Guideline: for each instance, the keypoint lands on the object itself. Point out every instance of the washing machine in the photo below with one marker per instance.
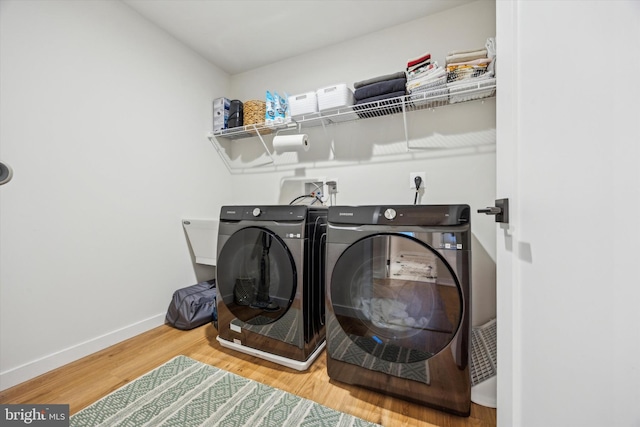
(398, 301)
(270, 279)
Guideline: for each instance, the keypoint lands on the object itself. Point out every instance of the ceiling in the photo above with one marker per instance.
(241, 35)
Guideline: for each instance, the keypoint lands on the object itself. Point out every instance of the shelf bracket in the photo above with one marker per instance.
(218, 147)
(266, 149)
(332, 143)
(406, 128)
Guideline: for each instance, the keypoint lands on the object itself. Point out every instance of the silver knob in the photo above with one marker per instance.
(390, 213)
(256, 212)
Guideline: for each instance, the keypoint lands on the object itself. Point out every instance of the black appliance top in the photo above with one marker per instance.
(268, 212)
(400, 215)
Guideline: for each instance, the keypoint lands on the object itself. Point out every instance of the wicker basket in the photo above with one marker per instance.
(254, 112)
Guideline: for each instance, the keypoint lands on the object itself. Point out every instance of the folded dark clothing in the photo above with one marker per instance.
(382, 97)
(380, 88)
(393, 76)
(386, 104)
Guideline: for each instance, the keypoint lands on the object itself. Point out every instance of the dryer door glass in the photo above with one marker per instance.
(396, 297)
(259, 278)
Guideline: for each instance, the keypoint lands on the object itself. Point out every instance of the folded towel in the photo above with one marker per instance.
(462, 72)
(458, 52)
(440, 81)
(490, 45)
(438, 74)
(468, 56)
(491, 53)
(419, 65)
(419, 72)
(382, 97)
(380, 88)
(418, 60)
(481, 61)
(397, 75)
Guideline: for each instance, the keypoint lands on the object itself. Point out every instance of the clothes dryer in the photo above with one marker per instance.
(270, 279)
(398, 301)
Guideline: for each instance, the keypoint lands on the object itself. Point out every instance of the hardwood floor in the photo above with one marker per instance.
(84, 381)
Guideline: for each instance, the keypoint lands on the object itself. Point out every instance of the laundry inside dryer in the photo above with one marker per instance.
(398, 301)
(386, 290)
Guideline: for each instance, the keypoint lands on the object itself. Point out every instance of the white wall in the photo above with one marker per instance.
(568, 319)
(371, 163)
(104, 121)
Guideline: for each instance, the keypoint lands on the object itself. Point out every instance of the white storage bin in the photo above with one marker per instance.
(303, 104)
(334, 97)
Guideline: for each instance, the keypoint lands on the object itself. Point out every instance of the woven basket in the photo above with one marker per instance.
(254, 112)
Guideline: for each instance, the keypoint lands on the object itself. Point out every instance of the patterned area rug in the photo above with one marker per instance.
(184, 393)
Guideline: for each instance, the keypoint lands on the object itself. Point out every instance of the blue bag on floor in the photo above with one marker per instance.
(193, 306)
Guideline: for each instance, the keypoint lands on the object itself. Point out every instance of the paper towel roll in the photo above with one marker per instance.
(284, 143)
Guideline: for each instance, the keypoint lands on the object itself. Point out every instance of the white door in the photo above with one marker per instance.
(568, 158)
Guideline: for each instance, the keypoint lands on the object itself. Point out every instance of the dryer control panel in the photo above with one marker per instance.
(418, 215)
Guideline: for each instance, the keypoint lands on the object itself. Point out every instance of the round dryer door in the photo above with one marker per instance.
(259, 279)
(396, 297)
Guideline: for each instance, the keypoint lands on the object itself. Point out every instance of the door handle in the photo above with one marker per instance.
(492, 210)
(6, 173)
(500, 210)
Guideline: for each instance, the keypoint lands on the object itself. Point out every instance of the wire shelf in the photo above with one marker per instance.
(453, 93)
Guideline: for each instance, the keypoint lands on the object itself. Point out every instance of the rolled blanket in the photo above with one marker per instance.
(380, 88)
(392, 76)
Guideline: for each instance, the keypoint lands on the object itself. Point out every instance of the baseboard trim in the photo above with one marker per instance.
(30, 370)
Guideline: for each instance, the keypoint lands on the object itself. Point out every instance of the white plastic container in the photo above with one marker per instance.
(335, 96)
(303, 104)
